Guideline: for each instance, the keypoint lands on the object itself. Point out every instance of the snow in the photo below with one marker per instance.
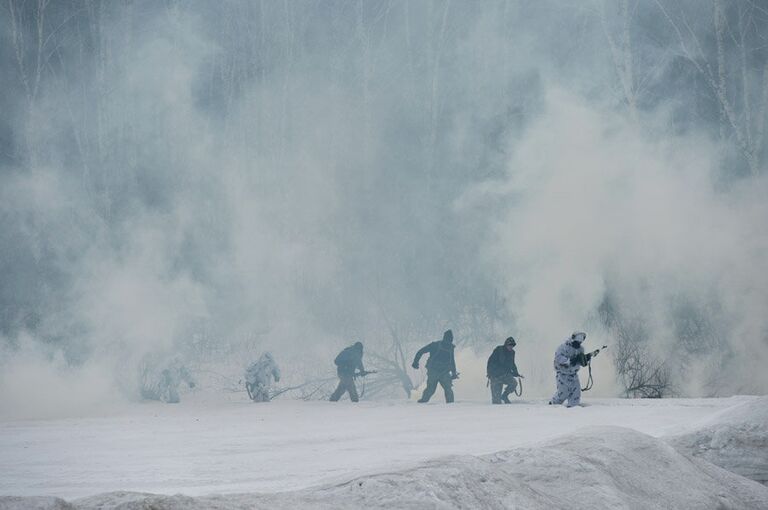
(735, 439)
(610, 453)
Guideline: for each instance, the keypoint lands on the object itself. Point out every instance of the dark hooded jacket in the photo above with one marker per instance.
(441, 357)
(350, 359)
(501, 363)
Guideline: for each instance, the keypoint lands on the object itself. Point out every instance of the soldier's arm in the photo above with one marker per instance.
(579, 359)
(514, 365)
(491, 360)
(562, 360)
(187, 377)
(420, 353)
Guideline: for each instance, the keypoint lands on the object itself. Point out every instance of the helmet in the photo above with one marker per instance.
(358, 346)
(510, 341)
(448, 336)
(577, 337)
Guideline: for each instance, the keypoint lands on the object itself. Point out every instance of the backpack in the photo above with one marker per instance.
(344, 358)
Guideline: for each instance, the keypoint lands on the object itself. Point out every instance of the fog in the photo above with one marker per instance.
(210, 180)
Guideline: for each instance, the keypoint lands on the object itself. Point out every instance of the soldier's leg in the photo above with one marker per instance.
(430, 389)
(173, 395)
(574, 394)
(561, 391)
(352, 389)
(261, 394)
(447, 383)
(496, 387)
(511, 384)
(340, 389)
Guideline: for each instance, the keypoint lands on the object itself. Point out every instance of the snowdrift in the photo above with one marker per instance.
(735, 439)
(34, 503)
(607, 467)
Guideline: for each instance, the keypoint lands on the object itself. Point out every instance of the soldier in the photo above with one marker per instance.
(569, 358)
(259, 376)
(162, 383)
(348, 360)
(501, 370)
(441, 367)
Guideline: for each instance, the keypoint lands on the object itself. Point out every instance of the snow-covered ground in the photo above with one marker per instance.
(207, 446)
(735, 439)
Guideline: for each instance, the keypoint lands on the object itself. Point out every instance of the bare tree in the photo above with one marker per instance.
(640, 373)
(742, 101)
(620, 45)
(29, 66)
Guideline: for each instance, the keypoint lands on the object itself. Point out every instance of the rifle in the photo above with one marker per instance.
(590, 381)
(584, 359)
(595, 352)
(365, 372)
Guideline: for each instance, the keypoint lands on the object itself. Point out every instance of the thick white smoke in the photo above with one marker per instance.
(592, 202)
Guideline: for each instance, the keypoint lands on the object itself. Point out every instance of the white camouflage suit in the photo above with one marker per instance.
(160, 378)
(567, 375)
(258, 377)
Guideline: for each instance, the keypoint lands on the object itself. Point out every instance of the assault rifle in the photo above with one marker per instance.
(589, 356)
(585, 359)
(595, 352)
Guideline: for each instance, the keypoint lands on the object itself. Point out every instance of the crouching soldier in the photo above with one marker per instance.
(348, 360)
(259, 376)
(441, 367)
(502, 371)
(161, 382)
(569, 358)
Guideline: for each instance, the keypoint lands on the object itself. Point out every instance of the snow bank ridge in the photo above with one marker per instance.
(736, 439)
(607, 467)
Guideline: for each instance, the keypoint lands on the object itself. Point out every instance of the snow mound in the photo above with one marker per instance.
(607, 467)
(735, 439)
(34, 503)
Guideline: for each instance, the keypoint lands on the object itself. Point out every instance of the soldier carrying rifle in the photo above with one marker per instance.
(569, 358)
(441, 367)
(349, 360)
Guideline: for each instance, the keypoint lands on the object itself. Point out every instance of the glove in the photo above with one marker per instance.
(579, 359)
(415, 365)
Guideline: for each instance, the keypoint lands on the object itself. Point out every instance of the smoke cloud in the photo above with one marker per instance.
(212, 181)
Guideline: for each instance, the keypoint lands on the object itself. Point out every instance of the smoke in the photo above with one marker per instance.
(593, 205)
(36, 382)
(215, 181)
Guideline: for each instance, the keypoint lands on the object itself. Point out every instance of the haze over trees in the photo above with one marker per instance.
(218, 178)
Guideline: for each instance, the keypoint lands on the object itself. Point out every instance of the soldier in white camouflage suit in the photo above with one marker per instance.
(160, 381)
(569, 358)
(259, 376)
